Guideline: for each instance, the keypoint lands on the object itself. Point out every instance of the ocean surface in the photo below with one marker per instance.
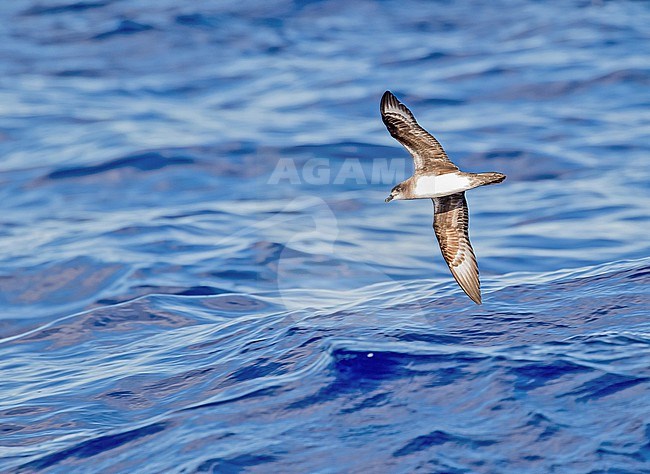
(198, 272)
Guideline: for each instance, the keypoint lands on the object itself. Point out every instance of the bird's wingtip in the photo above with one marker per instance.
(386, 97)
(475, 297)
(390, 102)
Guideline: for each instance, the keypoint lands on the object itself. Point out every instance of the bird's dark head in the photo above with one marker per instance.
(396, 193)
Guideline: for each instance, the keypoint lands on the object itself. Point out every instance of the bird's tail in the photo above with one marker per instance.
(483, 179)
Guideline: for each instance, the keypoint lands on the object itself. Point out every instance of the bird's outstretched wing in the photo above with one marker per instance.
(451, 222)
(427, 153)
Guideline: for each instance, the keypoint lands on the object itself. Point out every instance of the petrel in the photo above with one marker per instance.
(438, 179)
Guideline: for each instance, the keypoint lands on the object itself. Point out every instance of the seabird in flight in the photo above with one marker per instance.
(438, 179)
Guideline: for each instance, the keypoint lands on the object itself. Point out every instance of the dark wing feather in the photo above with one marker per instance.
(451, 222)
(427, 153)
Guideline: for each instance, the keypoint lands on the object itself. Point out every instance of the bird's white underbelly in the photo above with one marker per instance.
(441, 185)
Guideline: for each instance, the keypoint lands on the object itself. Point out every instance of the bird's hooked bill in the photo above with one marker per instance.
(389, 198)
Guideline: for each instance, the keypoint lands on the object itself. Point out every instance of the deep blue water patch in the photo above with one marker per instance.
(143, 162)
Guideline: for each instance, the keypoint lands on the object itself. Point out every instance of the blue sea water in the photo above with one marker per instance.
(173, 300)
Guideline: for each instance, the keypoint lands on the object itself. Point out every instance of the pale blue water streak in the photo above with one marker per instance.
(166, 309)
